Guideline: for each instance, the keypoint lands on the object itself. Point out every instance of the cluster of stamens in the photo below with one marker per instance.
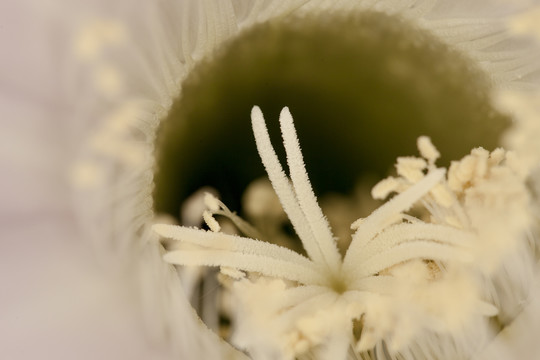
(401, 276)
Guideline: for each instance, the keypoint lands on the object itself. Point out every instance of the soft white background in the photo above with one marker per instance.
(55, 302)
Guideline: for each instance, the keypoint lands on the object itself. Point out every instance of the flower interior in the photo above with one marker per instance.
(414, 278)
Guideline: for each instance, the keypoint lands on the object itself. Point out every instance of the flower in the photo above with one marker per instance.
(116, 174)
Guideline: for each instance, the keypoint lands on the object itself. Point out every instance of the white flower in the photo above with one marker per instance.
(116, 172)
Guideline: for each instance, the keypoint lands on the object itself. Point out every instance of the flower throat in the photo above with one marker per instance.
(362, 87)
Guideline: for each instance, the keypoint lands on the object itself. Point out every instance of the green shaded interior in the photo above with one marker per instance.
(361, 89)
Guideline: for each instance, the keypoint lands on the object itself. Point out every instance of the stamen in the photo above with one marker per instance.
(212, 202)
(216, 207)
(384, 188)
(232, 273)
(427, 149)
(411, 168)
(211, 222)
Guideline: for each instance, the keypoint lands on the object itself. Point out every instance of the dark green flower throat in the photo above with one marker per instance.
(361, 89)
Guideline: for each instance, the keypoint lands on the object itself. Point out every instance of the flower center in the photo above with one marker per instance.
(362, 87)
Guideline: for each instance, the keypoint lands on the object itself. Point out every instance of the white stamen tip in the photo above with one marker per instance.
(211, 202)
(211, 222)
(163, 230)
(355, 225)
(232, 272)
(384, 188)
(256, 114)
(427, 149)
(411, 168)
(496, 156)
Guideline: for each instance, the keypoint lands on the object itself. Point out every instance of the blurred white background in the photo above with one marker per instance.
(55, 301)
